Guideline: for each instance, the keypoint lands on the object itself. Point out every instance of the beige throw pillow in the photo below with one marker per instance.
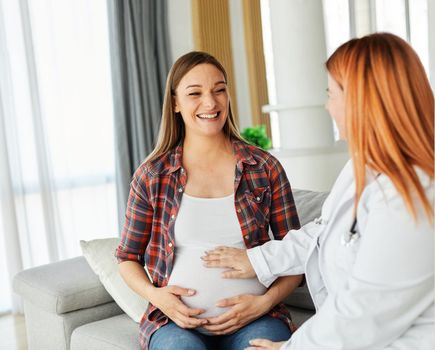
(100, 255)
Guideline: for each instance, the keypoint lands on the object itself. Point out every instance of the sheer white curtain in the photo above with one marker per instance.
(56, 133)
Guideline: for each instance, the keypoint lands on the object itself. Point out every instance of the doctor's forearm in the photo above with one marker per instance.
(282, 287)
(283, 258)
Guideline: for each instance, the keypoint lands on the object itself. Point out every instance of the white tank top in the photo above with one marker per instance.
(202, 224)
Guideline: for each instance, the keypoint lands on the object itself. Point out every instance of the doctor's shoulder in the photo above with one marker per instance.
(382, 194)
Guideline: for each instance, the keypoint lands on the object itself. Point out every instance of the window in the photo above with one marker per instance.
(73, 60)
(345, 19)
(57, 102)
(270, 70)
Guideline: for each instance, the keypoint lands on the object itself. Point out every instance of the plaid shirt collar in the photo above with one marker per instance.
(176, 155)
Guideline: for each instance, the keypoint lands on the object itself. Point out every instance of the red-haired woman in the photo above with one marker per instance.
(368, 259)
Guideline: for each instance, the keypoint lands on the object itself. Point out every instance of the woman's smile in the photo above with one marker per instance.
(208, 116)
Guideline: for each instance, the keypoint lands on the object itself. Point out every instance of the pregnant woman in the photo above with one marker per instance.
(200, 188)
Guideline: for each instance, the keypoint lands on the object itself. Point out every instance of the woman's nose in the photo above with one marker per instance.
(209, 101)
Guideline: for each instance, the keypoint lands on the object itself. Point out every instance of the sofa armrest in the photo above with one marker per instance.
(61, 287)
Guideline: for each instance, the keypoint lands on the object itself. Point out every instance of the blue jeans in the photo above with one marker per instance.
(172, 337)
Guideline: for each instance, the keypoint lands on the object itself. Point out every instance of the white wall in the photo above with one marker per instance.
(180, 27)
(303, 80)
(308, 153)
(320, 169)
(240, 64)
(181, 39)
(299, 53)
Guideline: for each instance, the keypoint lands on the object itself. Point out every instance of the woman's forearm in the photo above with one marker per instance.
(136, 278)
(282, 287)
(166, 299)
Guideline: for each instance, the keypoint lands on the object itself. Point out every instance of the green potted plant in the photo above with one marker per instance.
(256, 135)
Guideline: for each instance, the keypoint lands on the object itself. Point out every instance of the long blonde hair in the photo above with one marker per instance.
(389, 112)
(172, 131)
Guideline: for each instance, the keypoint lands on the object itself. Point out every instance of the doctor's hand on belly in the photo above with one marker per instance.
(167, 299)
(234, 259)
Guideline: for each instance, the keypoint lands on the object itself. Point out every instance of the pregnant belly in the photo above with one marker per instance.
(210, 287)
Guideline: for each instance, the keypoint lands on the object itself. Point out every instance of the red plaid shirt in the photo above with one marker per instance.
(263, 199)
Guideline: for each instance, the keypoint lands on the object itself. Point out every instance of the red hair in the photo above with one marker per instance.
(389, 113)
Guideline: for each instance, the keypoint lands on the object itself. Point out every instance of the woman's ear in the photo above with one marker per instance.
(175, 104)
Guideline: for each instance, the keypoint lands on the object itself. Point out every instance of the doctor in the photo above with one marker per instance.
(368, 259)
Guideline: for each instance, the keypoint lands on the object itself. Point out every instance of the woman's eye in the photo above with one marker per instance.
(194, 94)
(221, 90)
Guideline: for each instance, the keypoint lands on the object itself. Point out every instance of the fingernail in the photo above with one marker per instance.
(191, 292)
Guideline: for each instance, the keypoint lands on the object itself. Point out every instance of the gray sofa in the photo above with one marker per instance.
(66, 306)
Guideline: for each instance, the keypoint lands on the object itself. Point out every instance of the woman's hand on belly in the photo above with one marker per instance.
(167, 299)
(244, 309)
(234, 259)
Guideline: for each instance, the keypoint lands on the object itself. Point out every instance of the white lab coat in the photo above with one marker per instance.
(377, 293)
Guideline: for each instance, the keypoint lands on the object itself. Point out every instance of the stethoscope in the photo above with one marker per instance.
(350, 237)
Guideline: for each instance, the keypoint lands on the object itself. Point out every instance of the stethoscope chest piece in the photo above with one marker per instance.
(350, 237)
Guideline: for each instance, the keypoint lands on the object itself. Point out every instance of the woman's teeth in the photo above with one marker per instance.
(208, 116)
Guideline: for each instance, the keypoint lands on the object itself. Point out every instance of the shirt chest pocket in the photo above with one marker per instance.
(258, 204)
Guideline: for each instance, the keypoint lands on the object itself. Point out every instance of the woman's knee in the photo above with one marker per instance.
(265, 327)
(172, 337)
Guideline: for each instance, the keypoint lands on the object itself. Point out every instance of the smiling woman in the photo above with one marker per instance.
(202, 187)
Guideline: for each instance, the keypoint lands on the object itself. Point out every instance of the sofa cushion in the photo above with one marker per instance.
(300, 298)
(299, 316)
(114, 333)
(61, 287)
(120, 332)
(308, 204)
(49, 331)
(100, 254)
